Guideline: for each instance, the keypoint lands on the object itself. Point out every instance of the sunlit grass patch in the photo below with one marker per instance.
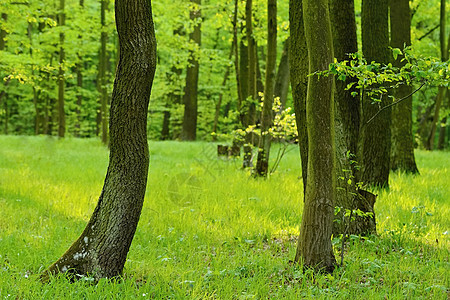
(209, 230)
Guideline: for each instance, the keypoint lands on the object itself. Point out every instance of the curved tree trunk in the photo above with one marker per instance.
(102, 248)
(375, 137)
(314, 246)
(402, 148)
(298, 68)
(262, 164)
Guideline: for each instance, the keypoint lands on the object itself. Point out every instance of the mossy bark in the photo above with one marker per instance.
(102, 248)
(298, 63)
(375, 137)
(347, 118)
(314, 246)
(402, 148)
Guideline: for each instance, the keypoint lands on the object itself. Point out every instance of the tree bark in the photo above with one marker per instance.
(375, 137)
(248, 108)
(282, 79)
(189, 131)
(402, 148)
(347, 118)
(102, 248)
(442, 90)
(79, 72)
(314, 246)
(262, 164)
(61, 76)
(298, 64)
(102, 80)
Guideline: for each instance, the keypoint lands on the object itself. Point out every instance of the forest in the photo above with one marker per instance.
(237, 149)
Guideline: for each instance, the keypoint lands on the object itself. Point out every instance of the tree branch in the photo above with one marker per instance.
(395, 103)
(429, 32)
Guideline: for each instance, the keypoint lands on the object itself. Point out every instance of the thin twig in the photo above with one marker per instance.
(395, 103)
(344, 236)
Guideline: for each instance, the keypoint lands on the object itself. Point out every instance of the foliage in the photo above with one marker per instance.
(224, 241)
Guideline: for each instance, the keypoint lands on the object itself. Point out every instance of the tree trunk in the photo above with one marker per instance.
(314, 246)
(3, 94)
(102, 80)
(102, 248)
(402, 148)
(375, 137)
(282, 79)
(442, 90)
(189, 131)
(61, 76)
(236, 58)
(243, 77)
(442, 130)
(224, 83)
(249, 106)
(298, 63)
(262, 164)
(347, 117)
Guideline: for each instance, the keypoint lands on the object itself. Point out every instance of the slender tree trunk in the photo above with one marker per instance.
(314, 246)
(282, 79)
(224, 83)
(236, 56)
(262, 164)
(442, 129)
(243, 77)
(249, 105)
(375, 137)
(79, 72)
(102, 248)
(61, 76)
(189, 131)
(3, 94)
(442, 90)
(402, 148)
(298, 63)
(102, 80)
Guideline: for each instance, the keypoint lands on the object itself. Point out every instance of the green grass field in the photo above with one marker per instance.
(209, 230)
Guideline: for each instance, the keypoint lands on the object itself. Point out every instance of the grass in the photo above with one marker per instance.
(208, 230)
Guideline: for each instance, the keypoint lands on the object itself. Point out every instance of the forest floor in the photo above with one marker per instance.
(209, 230)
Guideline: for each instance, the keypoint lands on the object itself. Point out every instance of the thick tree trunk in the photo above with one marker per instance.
(262, 164)
(298, 64)
(189, 131)
(314, 246)
(347, 117)
(102, 248)
(375, 137)
(402, 148)
(61, 76)
(282, 79)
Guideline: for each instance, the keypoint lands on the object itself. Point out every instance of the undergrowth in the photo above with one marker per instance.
(210, 230)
